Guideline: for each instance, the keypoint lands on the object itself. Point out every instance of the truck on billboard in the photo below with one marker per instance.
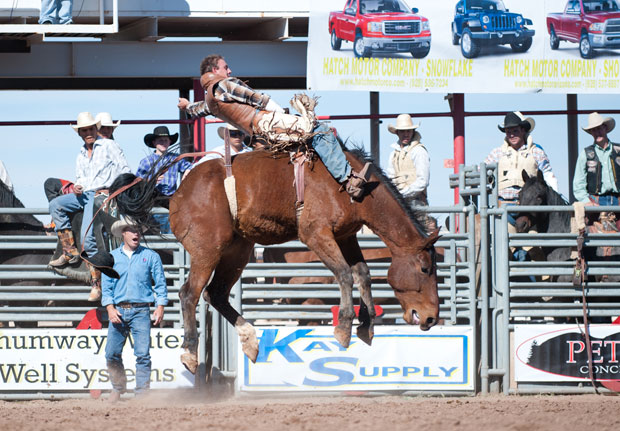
(591, 23)
(380, 26)
(479, 23)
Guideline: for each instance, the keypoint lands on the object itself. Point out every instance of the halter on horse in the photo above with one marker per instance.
(220, 246)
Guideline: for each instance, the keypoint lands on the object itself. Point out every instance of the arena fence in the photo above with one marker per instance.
(284, 285)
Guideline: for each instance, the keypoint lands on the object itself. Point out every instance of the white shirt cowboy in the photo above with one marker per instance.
(101, 169)
(420, 159)
(4, 176)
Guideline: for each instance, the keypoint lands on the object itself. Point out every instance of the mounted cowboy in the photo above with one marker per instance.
(409, 167)
(254, 113)
(99, 162)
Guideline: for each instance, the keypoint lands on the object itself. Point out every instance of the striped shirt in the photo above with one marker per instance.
(169, 183)
(229, 90)
(98, 171)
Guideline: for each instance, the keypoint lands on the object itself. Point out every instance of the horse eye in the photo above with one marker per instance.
(425, 270)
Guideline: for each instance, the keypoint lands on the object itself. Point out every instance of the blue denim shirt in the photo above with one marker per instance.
(138, 274)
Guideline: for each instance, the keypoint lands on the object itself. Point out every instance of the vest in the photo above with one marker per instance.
(594, 181)
(513, 162)
(404, 169)
(240, 115)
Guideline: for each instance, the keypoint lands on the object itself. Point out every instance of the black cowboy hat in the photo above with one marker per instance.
(157, 132)
(103, 261)
(514, 119)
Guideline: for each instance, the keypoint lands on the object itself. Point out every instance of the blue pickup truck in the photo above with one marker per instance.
(479, 23)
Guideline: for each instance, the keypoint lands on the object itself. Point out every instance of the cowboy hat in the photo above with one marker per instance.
(85, 119)
(120, 225)
(105, 120)
(514, 119)
(595, 119)
(221, 130)
(158, 132)
(403, 122)
(103, 261)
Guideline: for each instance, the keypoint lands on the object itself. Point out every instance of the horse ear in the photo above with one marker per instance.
(525, 175)
(432, 239)
(540, 176)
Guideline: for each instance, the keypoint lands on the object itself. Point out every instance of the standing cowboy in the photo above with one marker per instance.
(409, 166)
(233, 101)
(597, 172)
(99, 162)
(106, 125)
(127, 297)
(167, 183)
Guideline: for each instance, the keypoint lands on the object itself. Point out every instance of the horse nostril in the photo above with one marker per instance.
(430, 321)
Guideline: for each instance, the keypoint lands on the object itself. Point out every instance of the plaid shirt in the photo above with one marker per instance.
(512, 193)
(168, 185)
(229, 90)
(107, 161)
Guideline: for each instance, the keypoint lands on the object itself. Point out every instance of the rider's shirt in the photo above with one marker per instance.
(107, 161)
(229, 90)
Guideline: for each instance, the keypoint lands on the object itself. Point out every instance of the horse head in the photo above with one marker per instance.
(533, 193)
(413, 277)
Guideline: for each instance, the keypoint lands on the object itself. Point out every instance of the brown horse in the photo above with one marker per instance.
(220, 246)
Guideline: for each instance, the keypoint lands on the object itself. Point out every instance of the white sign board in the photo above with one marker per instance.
(558, 353)
(400, 358)
(61, 359)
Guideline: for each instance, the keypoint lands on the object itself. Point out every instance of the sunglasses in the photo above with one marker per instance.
(235, 134)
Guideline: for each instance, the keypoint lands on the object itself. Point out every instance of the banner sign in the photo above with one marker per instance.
(558, 353)
(465, 46)
(61, 359)
(400, 358)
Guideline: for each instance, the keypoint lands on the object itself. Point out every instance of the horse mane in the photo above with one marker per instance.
(360, 153)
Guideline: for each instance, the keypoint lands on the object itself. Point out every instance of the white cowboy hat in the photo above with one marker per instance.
(403, 122)
(85, 119)
(220, 130)
(119, 226)
(514, 119)
(105, 119)
(595, 119)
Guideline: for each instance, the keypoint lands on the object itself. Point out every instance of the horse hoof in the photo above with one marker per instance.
(190, 361)
(365, 334)
(342, 336)
(249, 342)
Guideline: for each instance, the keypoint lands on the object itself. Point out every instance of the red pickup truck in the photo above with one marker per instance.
(380, 26)
(591, 23)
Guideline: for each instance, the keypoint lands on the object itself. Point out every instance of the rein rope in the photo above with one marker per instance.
(138, 179)
(580, 278)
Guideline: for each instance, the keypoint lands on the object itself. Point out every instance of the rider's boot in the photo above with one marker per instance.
(95, 284)
(70, 253)
(305, 105)
(354, 185)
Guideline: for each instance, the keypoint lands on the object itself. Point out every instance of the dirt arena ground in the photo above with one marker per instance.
(387, 413)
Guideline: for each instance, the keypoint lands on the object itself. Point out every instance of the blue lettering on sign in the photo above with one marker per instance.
(268, 344)
(449, 371)
(375, 372)
(342, 377)
(317, 345)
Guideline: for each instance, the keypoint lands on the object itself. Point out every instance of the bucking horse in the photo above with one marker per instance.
(220, 244)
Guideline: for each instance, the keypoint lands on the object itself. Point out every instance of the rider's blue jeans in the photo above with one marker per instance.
(136, 321)
(56, 11)
(63, 205)
(328, 148)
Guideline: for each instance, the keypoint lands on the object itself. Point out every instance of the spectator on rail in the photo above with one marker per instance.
(517, 153)
(160, 140)
(4, 176)
(56, 12)
(255, 113)
(127, 300)
(98, 163)
(409, 167)
(236, 139)
(107, 126)
(597, 172)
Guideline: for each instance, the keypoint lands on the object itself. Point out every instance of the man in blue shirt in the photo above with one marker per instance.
(127, 301)
(167, 183)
